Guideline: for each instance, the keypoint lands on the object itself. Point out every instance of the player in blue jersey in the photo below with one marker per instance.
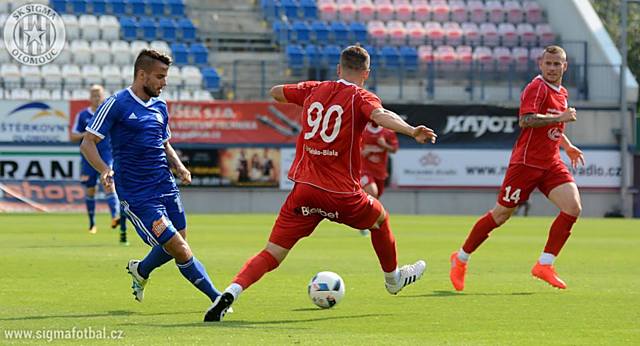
(88, 175)
(138, 124)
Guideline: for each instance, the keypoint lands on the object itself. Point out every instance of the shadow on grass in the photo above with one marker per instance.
(444, 294)
(274, 324)
(102, 314)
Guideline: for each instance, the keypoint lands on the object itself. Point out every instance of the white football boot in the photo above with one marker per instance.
(409, 274)
(138, 282)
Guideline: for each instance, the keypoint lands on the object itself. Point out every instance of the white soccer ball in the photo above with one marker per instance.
(326, 289)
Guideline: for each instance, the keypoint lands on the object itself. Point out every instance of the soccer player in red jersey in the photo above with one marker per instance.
(326, 172)
(377, 143)
(535, 163)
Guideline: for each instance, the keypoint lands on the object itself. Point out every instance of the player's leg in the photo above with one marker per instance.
(90, 202)
(369, 186)
(292, 224)
(114, 206)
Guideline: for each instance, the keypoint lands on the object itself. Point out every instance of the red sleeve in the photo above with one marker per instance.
(297, 93)
(392, 139)
(532, 98)
(367, 103)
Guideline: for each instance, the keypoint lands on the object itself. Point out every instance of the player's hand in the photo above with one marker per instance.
(106, 178)
(568, 115)
(184, 175)
(575, 155)
(382, 142)
(423, 134)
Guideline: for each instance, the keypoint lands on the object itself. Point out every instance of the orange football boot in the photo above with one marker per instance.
(547, 273)
(458, 270)
(115, 222)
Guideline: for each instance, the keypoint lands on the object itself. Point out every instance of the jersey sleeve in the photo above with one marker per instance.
(392, 139)
(367, 103)
(106, 115)
(533, 98)
(79, 124)
(297, 93)
(166, 132)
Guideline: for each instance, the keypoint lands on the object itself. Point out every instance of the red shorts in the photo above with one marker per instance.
(306, 206)
(521, 180)
(368, 179)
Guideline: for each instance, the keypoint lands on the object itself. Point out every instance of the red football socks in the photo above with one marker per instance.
(479, 233)
(559, 233)
(255, 268)
(385, 246)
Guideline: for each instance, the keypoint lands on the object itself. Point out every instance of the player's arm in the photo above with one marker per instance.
(575, 155)
(277, 93)
(89, 150)
(393, 121)
(75, 136)
(382, 143)
(540, 120)
(174, 161)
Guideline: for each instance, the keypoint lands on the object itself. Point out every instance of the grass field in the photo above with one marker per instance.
(55, 276)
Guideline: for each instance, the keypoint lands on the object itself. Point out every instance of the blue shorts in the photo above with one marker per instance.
(158, 219)
(88, 175)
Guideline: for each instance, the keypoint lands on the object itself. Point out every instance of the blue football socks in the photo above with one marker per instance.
(114, 204)
(91, 210)
(195, 272)
(156, 258)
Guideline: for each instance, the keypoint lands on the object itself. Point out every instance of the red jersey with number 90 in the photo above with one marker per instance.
(334, 113)
(540, 147)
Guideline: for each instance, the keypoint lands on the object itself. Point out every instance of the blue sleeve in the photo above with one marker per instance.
(166, 132)
(79, 124)
(106, 115)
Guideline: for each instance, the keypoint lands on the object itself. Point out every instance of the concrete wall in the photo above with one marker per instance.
(449, 202)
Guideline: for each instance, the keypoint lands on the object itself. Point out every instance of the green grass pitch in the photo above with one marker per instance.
(56, 276)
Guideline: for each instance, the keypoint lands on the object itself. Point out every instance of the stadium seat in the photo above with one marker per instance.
(161, 46)
(40, 95)
(180, 53)
(192, 77)
(290, 8)
(513, 11)
(434, 33)
(521, 58)
(385, 10)
(65, 56)
(269, 9)
(137, 46)
(331, 55)
(365, 11)
(409, 56)
(79, 6)
(31, 77)
(71, 26)
(458, 11)
(421, 11)
(57, 94)
(483, 58)
(340, 32)
(532, 12)
(187, 29)
(109, 28)
(118, 7)
(81, 52)
(377, 32)
(489, 34)
(128, 28)
(404, 11)
(535, 54)
(397, 33)
(176, 8)
(374, 56)
(4, 54)
(495, 10)
(185, 95)
(295, 56)
(175, 77)
(199, 54)
(156, 7)
(89, 27)
(121, 52)
(19, 94)
(545, 35)
(465, 57)
(527, 35)
(202, 95)
(425, 54)
(312, 55)
(302, 32)
(477, 11)
(168, 29)
(211, 79)
(59, 6)
(281, 31)
(346, 11)
(71, 76)
(471, 34)
(126, 72)
(390, 57)
(508, 34)
(91, 74)
(415, 33)
(148, 30)
(137, 7)
(168, 94)
(309, 9)
(328, 10)
(358, 32)
(80, 94)
(445, 58)
(452, 33)
(98, 7)
(112, 77)
(101, 52)
(504, 59)
(320, 31)
(440, 10)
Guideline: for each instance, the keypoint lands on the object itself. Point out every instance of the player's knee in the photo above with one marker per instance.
(573, 210)
(178, 248)
(501, 215)
(183, 233)
(278, 252)
(91, 192)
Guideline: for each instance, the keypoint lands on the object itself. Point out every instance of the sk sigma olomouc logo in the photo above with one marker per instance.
(34, 34)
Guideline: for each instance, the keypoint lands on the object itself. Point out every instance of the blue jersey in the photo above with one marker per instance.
(104, 147)
(138, 132)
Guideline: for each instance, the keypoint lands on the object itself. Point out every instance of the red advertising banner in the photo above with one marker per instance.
(221, 122)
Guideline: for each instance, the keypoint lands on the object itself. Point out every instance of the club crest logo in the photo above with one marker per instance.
(554, 134)
(34, 34)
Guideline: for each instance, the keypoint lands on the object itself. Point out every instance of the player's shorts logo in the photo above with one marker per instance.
(554, 134)
(34, 34)
(159, 226)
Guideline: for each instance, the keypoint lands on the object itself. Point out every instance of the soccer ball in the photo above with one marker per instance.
(326, 289)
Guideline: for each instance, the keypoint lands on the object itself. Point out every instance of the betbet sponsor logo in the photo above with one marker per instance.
(306, 211)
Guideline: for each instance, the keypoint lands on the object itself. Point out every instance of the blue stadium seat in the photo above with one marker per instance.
(309, 9)
(137, 7)
(157, 7)
(320, 31)
(390, 57)
(176, 7)
(200, 54)
(79, 6)
(180, 54)
(99, 7)
(290, 8)
(374, 55)
(128, 28)
(188, 29)
(331, 55)
(59, 6)
(269, 9)
(313, 56)
(340, 32)
(168, 28)
(149, 29)
(281, 32)
(409, 58)
(295, 56)
(118, 7)
(359, 32)
(303, 32)
(211, 78)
